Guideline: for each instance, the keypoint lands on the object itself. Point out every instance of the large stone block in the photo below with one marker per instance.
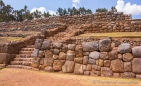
(78, 60)
(57, 45)
(106, 72)
(127, 57)
(38, 43)
(96, 68)
(85, 60)
(91, 61)
(128, 75)
(104, 55)
(70, 55)
(71, 47)
(55, 57)
(94, 55)
(136, 52)
(46, 45)
(48, 61)
(56, 51)
(124, 48)
(78, 48)
(107, 63)
(78, 68)
(35, 62)
(127, 66)
(87, 67)
(136, 65)
(41, 54)
(117, 66)
(36, 51)
(90, 46)
(57, 65)
(62, 56)
(5, 58)
(95, 73)
(68, 67)
(113, 55)
(48, 68)
(105, 45)
(48, 54)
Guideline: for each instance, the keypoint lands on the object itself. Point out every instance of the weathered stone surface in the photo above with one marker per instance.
(48, 68)
(86, 53)
(107, 63)
(62, 56)
(48, 54)
(46, 45)
(57, 65)
(78, 60)
(136, 52)
(78, 48)
(85, 60)
(87, 67)
(94, 55)
(104, 55)
(117, 66)
(36, 51)
(48, 61)
(127, 57)
(96, 68)
(78, 68)
(79, 54)
(41, 67)
(91, 61)
(65, 48)
(71, 47)
(95, 73)
(35, 63)
(68, 67)
(5, 58)
(124, 48)
(41, 54)
(127, 66)
(113, 55)
(55, 57)
(120, 56)
(70, 55)
(136, 65)
(105, 45)
(41, 61)
(138, 76)
(38, 43)
(106, 72)
(101, 62)
(56, 51)
(116, 75)
(90, 46)
(57, 45)
(128, 75)
(87, 73)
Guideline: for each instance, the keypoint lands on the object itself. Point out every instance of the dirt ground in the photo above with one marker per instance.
(23, 77)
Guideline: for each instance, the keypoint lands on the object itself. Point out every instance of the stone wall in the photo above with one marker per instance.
(96, 58)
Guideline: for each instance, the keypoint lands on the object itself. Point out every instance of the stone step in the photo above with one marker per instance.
(23, 59)
(25, 63)
(25, 52)
(24, 56)
(27, 49)
(30, 46)
(21, 66)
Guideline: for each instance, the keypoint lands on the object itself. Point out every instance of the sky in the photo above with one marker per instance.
(127, 6)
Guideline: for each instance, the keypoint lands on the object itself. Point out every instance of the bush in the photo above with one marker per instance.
(23, 36)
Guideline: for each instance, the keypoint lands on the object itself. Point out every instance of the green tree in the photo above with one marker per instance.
(101, 10)
(113, 9)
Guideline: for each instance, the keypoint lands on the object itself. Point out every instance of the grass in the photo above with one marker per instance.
(114, 35)
(8, 39)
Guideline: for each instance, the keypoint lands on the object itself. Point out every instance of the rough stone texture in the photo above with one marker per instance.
(136, 52)
(113, 55)
(36, 51)
(120, 56)
(71, 47)
(127, 66)
(86, 53)
(5, 58)
(116, 75)
(136, 65)
(117, 66)
(56, 51)
(78, 48)
(87, 67)
(68, 67)
(107, 63)
(95, 73)
(48, 54)
(85, 60)
(78, 68)
(78, 60)
(41, 67)
(62, 56)
(57, 45)
(105, 45)
(55, 57)
(106, 72)
(91, 61)
(79, 54)
(41, 54)
(104, 55)
(46, 45)
(38, 43)
(70, 55)
(94, 55)
(124, 48)
(57, 65)
(90, 46)
(48, 68)
(127, 57)
(101, 62)
(96, 68)
(65, 48)
(48, 61)
(87, 73)
(41, 61)
(138, 76)
(36, 62)
(128, 75)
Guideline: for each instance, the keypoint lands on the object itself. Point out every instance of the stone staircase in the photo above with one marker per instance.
(23, 59)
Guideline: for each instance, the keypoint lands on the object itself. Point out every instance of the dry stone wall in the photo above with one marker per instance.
(95, 58)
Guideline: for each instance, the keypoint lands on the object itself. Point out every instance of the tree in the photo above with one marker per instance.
(60, 11)
(25, 12)
(46, 14)
(37, 14)
(101, 10)
(113, 9)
